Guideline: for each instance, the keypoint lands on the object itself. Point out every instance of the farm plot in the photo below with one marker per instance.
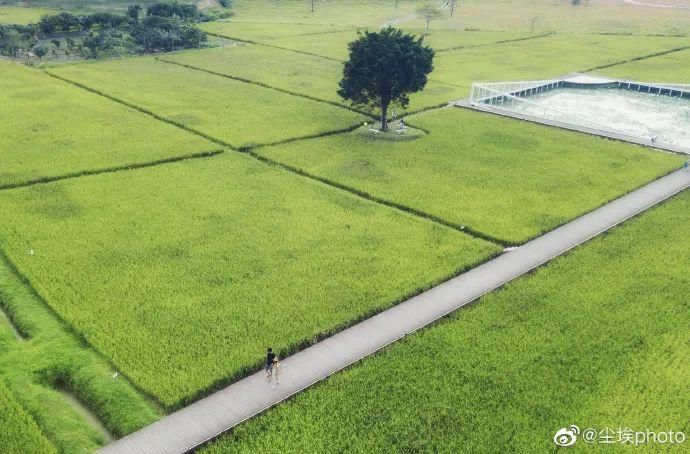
(357, 13)
(333, 44)
(237, 256)
(234, 112)
(48, 369)
(543, 58)
(453, 39)
(598, 338)
(257, 31)
(297, 73)
(50, 129)
(672, 67)
(17, 429)
(546, 15)
(22, 15)
(506, 179)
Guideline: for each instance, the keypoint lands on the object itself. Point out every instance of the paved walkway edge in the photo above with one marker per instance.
(205, 419)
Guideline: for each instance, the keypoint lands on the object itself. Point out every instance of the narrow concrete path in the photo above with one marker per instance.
(203, 420)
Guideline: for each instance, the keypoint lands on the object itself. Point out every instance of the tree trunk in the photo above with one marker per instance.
(384, 116)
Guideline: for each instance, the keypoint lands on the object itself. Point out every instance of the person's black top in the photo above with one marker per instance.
(269, 357)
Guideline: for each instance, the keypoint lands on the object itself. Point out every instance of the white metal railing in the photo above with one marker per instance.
(479, 91)
(484, 95)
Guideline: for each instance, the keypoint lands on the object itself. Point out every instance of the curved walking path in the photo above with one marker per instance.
(193, 425)
(656, 5)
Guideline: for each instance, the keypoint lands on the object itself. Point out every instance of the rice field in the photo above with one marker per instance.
(22, 15)
(354, 13)
(258, 31)
(48, 369)
(595, 16)
(506, 179)
(331, 42)
(577, 342)
(233, 112)
(261, 257)
(179, 274)
(51, 129)
(544, 58)
(17, 429)
(665, 68)
(304, 75)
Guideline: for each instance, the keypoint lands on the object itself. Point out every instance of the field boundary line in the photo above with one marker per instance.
(446, 49)
(140, 109)
(113, 169)
(259, 43)
(389, 203)
(267, 86)
(638, 58)
(217, 141)
(182, 431)
(493, 43)
(248, 149)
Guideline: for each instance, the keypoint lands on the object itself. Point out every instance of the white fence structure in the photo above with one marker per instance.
(508, 95)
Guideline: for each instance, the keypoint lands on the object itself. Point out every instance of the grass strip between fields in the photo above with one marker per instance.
(638, 58)
(503, 41)
(55, 375)
(138, 165)
(18, 430)
(249, 41)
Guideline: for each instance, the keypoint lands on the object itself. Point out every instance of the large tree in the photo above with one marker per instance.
(384, 68)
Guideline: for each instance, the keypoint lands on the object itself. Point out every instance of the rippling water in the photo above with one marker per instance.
(640, 114)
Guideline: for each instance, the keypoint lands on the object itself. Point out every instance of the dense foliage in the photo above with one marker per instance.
(15, 38)
(598, 338)
(165, 27)
(384, 68)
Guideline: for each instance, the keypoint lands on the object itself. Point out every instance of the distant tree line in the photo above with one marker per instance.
(163, 27)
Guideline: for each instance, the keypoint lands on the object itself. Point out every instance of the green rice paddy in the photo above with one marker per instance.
(165, 219)
(312, 257)
(506, 179)
(574, 343)
(51, 129)
(17, 429)
(233, 112)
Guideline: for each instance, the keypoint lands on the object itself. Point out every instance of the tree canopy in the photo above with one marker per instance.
(384, 68)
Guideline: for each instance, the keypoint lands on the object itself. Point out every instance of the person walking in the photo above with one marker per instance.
(276, 371)
(270, 356)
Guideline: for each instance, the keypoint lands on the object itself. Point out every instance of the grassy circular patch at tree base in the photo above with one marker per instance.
(394, 133)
